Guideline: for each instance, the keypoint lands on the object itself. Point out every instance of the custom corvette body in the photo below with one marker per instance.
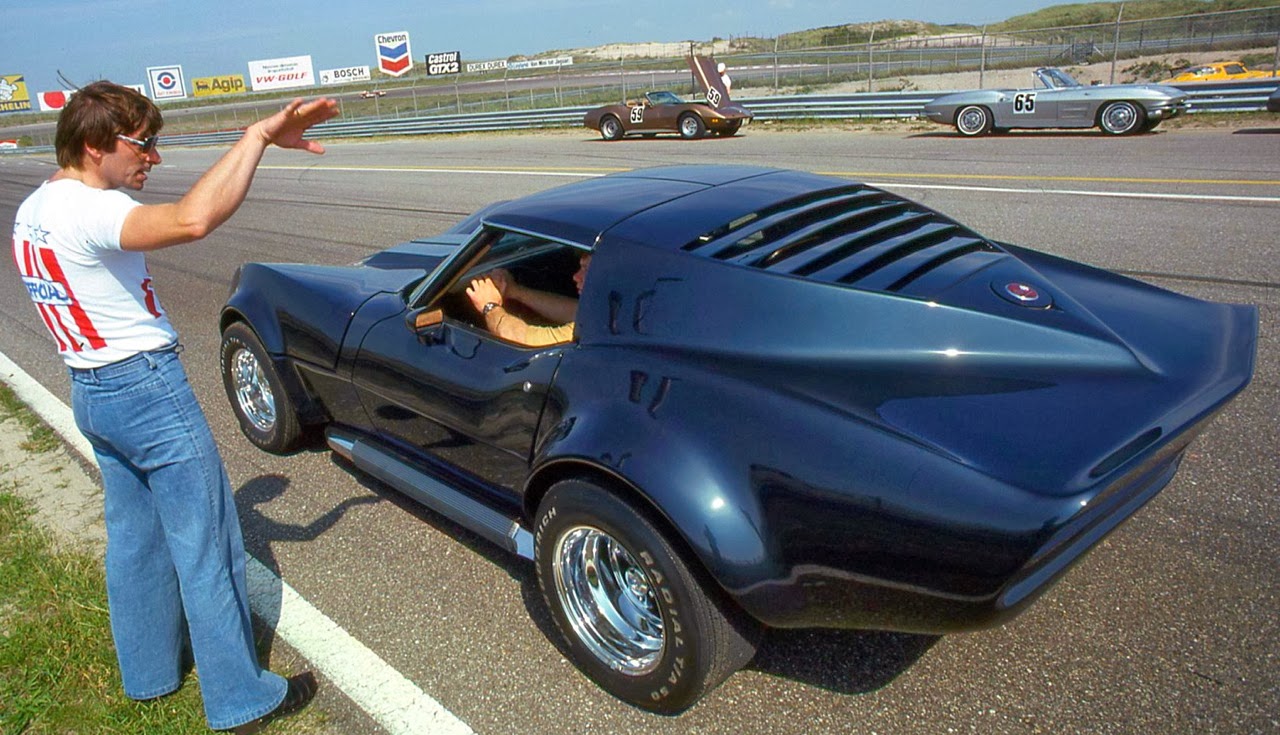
(790, 400)
(1057, 100)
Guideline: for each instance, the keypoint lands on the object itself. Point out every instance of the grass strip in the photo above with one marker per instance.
(57, 664)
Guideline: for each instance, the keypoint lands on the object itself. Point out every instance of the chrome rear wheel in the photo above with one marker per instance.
(609, 600)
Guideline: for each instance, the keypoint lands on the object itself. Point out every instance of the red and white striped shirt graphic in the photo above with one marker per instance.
(94, 298)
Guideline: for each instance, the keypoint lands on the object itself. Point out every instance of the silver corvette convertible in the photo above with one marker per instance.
(1059, 101)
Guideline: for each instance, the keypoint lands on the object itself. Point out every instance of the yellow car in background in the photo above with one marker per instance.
(1218, 71)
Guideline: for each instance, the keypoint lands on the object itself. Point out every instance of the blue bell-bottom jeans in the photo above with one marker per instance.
(175, 554)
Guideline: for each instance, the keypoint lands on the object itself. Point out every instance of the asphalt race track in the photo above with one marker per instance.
(1169, 626)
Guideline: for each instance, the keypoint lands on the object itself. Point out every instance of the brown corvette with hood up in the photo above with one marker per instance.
(667, 112)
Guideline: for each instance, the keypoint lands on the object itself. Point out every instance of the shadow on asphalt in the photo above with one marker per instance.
(842, 661)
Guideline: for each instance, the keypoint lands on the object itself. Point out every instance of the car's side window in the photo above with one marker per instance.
(532, 262)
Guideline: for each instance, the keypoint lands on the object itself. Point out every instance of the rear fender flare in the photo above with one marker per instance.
(712, 516)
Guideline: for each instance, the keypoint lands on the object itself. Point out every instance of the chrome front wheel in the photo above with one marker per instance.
(973, 120)
(253, 392)
(1121, 118)
(258, 398)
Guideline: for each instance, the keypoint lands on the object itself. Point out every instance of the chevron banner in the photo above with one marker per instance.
(394, 57)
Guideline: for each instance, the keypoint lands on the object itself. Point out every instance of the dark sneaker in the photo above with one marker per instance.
(302, 689)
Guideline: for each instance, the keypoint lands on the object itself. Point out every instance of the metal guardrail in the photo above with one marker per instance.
(1204, 97)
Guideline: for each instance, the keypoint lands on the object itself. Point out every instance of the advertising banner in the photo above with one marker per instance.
(283, 73)
(139, 88)
(444, 62)
(212, 86)
(167, 83)
(541, 63)
(394, 57)
(345, 75)
(14, 96)
(487, 65)
(55, 100)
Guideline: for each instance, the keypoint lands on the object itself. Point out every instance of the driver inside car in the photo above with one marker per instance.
(489, 294)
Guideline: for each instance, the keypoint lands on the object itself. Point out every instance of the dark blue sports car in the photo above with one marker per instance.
(788, 400)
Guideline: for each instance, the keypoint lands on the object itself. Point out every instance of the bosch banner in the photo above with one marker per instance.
(212, 86)
(167, 82)
(14, 96)
(394, 57)
(284, 73)
(444, 62)
(346, 75)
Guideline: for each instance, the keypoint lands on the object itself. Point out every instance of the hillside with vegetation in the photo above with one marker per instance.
(1078, 14)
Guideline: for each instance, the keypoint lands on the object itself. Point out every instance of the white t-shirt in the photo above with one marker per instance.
(95, 299)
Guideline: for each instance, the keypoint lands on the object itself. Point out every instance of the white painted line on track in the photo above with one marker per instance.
(1079, 192)
(386, 695)
(884, 185)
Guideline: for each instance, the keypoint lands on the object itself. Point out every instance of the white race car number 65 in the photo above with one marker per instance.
(1024, 103)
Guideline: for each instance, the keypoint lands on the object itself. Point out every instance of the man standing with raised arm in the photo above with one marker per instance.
(175, 558)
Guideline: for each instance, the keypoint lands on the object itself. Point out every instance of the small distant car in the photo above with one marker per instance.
(1273, 102)
(666, 112)
(1218, 71)
(1057, 100)
(371, 93)
(789, 400)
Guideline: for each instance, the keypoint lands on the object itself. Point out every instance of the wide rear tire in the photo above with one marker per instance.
(632, 613)
(258, 398)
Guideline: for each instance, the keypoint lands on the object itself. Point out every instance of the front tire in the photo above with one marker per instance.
(691, 126)
(973, 121)
(1121, 118)
(611, 128)
(257, 395)
(632, 614)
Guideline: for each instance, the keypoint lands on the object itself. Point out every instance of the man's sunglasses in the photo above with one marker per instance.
(146, 146)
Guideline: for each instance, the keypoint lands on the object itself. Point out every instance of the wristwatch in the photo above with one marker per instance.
(489, 307)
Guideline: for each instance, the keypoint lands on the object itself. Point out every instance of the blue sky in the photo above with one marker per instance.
(119, 39)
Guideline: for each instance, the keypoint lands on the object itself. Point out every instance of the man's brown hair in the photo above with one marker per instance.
(96, 114)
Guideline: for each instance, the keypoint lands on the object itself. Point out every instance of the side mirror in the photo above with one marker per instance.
(420, 320)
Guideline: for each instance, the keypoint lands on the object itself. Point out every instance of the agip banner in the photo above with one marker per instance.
(284, 73)
(213, 86)
(14, 96)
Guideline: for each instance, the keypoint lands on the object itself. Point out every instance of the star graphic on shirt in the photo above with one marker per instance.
(37, 235)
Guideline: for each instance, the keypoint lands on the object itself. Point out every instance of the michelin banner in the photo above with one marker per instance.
(14, 96)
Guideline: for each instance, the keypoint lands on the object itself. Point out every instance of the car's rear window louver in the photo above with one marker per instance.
(854, 235)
